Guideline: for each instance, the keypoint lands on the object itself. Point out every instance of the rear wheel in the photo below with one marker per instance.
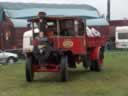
(64, 68)
(96, 65)
(29, 73)
(86, 62)
(11, 60)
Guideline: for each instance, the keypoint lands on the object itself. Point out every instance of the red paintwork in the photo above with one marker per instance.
(78, 44)
(79, 47)
(94, 55)
(45, 68)
(96, 41)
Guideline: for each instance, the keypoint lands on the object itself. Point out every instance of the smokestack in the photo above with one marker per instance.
(108, 10)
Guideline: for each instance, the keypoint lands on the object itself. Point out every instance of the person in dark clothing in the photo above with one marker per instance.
(41, 49)
(41, 38)
(42, 21)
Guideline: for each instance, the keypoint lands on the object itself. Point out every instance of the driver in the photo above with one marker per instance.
(41, 38)
(42, 49)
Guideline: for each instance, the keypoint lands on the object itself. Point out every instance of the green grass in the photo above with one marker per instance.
(112, 81)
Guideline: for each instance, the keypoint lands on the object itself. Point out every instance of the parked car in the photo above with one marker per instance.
(8, 57)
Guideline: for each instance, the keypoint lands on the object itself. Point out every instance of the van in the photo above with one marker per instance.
(121, 37)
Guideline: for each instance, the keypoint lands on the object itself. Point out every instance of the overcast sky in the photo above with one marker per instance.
(118, 7)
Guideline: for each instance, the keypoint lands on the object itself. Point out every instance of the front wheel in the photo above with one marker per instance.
(29, 73)
(64, 68)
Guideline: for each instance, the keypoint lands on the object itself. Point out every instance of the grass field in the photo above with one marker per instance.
(112, 81)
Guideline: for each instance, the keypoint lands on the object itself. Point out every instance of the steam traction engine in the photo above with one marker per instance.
(64, 44)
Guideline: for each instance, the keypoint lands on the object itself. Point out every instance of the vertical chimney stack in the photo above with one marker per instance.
(108, 10)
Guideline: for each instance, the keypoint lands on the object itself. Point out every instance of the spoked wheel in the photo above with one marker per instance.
(64, 68)
(29, 73)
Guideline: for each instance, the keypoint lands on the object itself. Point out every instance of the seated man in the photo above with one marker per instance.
(42, 49)
(41, 37)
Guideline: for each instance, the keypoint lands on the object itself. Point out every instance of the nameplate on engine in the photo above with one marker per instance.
(67, 43)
